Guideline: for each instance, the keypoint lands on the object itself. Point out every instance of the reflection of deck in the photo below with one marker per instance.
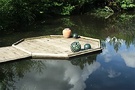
(53, 46)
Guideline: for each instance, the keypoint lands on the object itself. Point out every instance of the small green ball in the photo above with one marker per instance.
(75, 35)
(87, 46)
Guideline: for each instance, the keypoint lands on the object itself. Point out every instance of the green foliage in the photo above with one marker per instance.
(126, 18)
(67, 22)
(105, 12)
(17, 13)
(67, 9)
(127, 4)
(117, 5)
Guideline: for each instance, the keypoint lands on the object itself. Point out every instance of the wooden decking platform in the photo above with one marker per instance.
(53, 46)
(10, 53)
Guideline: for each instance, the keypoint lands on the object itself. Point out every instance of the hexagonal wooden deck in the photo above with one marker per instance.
(52, 46)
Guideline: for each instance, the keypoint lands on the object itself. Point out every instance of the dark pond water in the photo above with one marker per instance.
(111, 69)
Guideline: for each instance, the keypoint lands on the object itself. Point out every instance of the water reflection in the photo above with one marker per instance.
(113, 74)
(47, 74)
(83, 60)
(128, 55)
(12, 72)
(129, 58)
(120, 46)
(113, 68)
(117, 67)
(60, 74)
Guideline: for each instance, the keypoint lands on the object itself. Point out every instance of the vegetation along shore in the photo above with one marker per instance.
(17, 13)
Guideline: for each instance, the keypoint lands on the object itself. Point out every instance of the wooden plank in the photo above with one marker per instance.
(35, 46)
(83, 52)
(44, 55)
(10, 53)
(66, 42)
(58, 44)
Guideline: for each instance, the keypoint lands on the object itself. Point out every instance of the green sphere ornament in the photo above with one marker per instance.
(75, 35)
(87, 46)
(75, 47)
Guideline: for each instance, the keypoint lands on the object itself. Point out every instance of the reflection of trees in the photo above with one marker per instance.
(116, 43)
(83, 60)
(124, 26)
(120, 25)
(12, 71)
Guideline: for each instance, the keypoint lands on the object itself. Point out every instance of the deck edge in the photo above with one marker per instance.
(84, 52)
(21, 49)
(44, 55)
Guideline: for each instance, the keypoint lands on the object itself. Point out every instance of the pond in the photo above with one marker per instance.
(111, 69)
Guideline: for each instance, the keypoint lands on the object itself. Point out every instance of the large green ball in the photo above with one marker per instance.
(75, 47)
